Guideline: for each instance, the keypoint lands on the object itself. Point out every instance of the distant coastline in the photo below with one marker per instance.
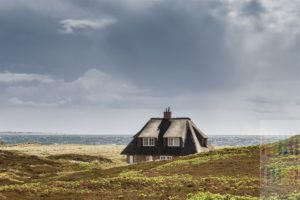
(29, 133)
(89, 139)
(109, 134)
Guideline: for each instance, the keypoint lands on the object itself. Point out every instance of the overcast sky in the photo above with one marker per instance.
(107, 66)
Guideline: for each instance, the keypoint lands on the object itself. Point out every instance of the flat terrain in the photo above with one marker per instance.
(98, 172)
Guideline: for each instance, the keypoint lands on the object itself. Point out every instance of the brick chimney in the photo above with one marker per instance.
(167, 113)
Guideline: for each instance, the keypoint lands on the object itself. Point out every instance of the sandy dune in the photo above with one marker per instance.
(109, 151)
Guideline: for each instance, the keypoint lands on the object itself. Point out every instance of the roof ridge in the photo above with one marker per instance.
(159, 118)
(199, 130)
(196, 141)
(176, 129)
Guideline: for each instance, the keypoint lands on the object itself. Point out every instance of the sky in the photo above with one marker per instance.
(107, 66)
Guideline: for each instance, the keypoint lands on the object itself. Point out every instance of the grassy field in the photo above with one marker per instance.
(111, 152)
(98, 172)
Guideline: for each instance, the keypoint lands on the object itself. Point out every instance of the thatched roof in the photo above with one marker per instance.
(177, 128)
(151, 129)
(193, 139)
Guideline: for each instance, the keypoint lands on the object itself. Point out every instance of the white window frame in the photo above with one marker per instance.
(148, 142)
(174, 142)
(131, 158)
(135, 158)
(165, 157)
(149, 158)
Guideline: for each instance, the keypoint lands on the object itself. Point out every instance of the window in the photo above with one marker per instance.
(131, 159)
(148, 142)
(173, 142)
(135, 159)
(165, 157)
(149, 158)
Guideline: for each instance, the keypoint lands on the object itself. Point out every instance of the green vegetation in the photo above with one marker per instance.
(203, 159)
(210, 196)
(229, 173)
(81, 158)
(280, 168)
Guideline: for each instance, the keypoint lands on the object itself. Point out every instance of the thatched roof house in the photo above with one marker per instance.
(165, 138)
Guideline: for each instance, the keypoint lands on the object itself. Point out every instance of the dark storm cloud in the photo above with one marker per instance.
(232, 55)
(253, 8)
(167, 44)
(32, 44)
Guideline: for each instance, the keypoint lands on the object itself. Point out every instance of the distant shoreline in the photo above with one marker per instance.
(84, 139)
(99, 134)
(52, 133)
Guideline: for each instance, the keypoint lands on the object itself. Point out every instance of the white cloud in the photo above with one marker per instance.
(93, 87)
(70, 25)
(277, 98)
(274, 16)
(97, 88)
(19, 102)
(103, 91)
(19, 77)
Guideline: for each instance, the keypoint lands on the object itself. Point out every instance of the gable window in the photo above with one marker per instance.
(165, 157)
(173, 142)
(148, 142)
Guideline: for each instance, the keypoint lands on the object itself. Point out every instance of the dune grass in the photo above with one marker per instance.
(92, 172)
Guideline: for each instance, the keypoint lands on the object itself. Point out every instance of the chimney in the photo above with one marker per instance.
(167, 113)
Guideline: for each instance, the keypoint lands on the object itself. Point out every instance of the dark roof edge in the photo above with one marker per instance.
(138, 133)
(200, 132)
(172, 118)
(196, 141)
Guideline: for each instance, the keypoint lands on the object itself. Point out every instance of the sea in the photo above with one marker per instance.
(216, 140)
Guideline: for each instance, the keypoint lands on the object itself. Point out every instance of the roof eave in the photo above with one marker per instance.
(201, 132)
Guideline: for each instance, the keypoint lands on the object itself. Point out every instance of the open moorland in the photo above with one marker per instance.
(99, 172)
